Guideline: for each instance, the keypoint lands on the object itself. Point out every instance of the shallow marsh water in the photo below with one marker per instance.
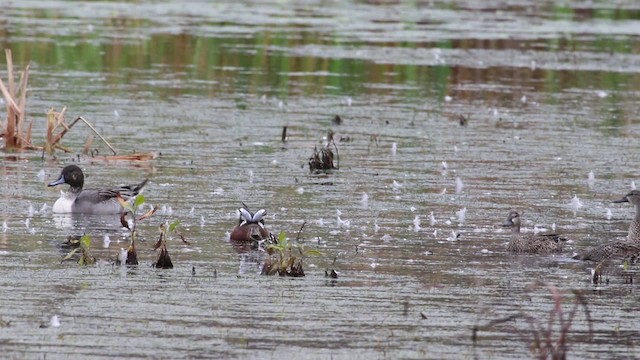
(550, 93)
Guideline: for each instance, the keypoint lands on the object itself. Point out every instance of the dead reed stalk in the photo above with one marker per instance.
(547, 343)
(15, 136)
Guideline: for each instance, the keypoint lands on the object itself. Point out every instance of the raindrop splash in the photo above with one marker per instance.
(459, 185)
(591, 179)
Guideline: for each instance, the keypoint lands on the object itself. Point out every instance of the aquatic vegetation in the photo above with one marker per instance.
(164, 261)
(322, 160)
(286, 257)
(15, 135)
(81, 245)
(129, 219)
(548, 333)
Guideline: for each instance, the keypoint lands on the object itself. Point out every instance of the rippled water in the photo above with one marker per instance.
(550, 94)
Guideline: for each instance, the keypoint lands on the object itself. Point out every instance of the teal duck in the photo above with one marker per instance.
(622, 249)
(531, 243)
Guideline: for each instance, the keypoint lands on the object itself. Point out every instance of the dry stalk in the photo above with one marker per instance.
(547, 343)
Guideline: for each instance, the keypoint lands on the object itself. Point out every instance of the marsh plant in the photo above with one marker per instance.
(130, 219)
(164, 261)
(548, 333)
(81, 247)
(286, 257)
(322, 160)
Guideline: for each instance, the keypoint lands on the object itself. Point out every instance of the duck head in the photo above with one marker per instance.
(250, 226)
(72, 175)
(513, 221)
(632, 197)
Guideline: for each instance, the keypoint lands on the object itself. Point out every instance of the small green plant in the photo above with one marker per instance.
(82, 246)
(286, 257)
(164, 261)
(130, 220)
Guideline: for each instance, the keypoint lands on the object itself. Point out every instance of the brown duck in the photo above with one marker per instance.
(531, 243)
(621, 249)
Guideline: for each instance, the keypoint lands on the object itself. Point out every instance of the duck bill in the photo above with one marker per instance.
(623, 200)
(57, 182)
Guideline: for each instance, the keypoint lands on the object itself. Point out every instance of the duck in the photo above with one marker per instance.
(250, 226)
(620, 249)
(90, 201)
(531, 243)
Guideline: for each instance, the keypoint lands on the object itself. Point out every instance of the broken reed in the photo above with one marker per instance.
(15, 97)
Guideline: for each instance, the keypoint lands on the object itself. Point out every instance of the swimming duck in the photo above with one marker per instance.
(531, 243)
(621, 249)
(250, 226)
(90, 201)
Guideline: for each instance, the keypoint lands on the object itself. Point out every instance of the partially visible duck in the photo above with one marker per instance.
(621, 249)
(250, 226)
(633, 197)
(531, 243)
(90, 201)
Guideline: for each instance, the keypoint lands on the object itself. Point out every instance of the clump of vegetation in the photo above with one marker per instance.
(286, 257)
(15, 135)
(322, 160)
(549, 337)
(129, 219)
(164, 261)
(81, 247)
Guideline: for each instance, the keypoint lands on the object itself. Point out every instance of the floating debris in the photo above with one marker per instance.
(464, 120)
(332, 274)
